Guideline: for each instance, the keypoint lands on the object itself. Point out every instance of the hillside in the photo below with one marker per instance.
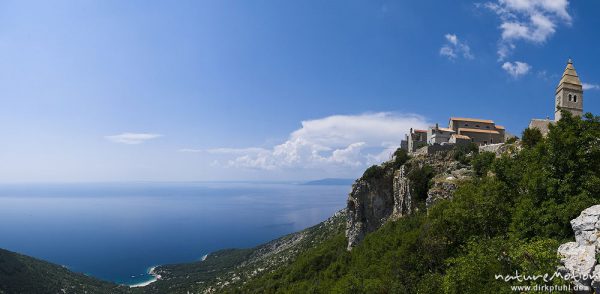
(24, 274)
(233, 267)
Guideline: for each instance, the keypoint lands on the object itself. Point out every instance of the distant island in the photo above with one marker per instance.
(329, 182)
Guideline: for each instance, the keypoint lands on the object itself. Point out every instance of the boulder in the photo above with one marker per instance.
(579, 258)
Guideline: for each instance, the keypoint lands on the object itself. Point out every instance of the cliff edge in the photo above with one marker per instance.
(400, 186)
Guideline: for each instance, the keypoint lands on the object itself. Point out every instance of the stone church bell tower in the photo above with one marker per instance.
(569, 93)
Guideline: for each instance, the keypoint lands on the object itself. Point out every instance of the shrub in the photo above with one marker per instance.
(400, 158)
(420, 178)
(375, 171)
(462, 150)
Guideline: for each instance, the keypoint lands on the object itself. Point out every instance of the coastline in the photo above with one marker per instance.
(155, 277)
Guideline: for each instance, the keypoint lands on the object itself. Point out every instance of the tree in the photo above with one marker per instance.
(532, 137)
(482, 163)
(400, 158)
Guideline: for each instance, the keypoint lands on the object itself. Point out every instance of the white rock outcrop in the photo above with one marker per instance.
(579, 258)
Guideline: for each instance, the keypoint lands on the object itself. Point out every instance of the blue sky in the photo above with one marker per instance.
(268, 90)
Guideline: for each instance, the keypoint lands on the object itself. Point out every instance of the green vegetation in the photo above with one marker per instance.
(531, 137)
(462, 152)
(176, 278)
(24, 274)
(512, 219)
(375, 171)
(482, 163)
(420, 181)
(400, 157)
(511, 140)
(387, 168)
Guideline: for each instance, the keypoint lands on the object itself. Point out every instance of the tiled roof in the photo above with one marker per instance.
(460, 130)
(473, 120)
(420, 131)
(499, 127)
(570, 76)
(457, 136)
(446, 130)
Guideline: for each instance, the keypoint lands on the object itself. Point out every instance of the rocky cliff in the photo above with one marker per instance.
(579, 258)
(395, 189)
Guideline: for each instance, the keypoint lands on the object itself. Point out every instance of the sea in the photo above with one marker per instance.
(117, 231)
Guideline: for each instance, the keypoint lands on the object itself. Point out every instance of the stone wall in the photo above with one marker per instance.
(431, 149)
(491, 148)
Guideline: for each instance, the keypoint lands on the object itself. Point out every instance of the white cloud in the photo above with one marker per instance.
(529, 20)
(516, 69)
(587, 86)
(454, 48)
(235, 150)
(338, 141)
(132, 138)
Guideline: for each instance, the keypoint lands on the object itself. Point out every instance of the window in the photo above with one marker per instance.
(487, 127)
(477, 126)
(466, 125)
(574, 98)
(491, 141)
(570, 97)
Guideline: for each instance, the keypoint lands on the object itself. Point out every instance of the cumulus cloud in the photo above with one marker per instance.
(235, 150)
(223, 150)
(527, 20)
(516, 69)
(587, 86)
(350, 141)
(454, 48)
(132, 138)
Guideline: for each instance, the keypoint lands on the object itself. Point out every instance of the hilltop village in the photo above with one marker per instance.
(569, 96)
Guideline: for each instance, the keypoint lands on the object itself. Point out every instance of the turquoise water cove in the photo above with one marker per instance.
(117, 232)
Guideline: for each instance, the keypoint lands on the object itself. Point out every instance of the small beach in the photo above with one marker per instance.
(155, 278)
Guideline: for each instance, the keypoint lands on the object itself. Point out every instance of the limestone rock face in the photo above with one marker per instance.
(388, 195)
(369, 205)
(579, 258)
(402, 196)
(444, 185)
(501, 148)
(440, 190)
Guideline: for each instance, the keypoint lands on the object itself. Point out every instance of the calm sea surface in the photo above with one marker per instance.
(117, 231)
